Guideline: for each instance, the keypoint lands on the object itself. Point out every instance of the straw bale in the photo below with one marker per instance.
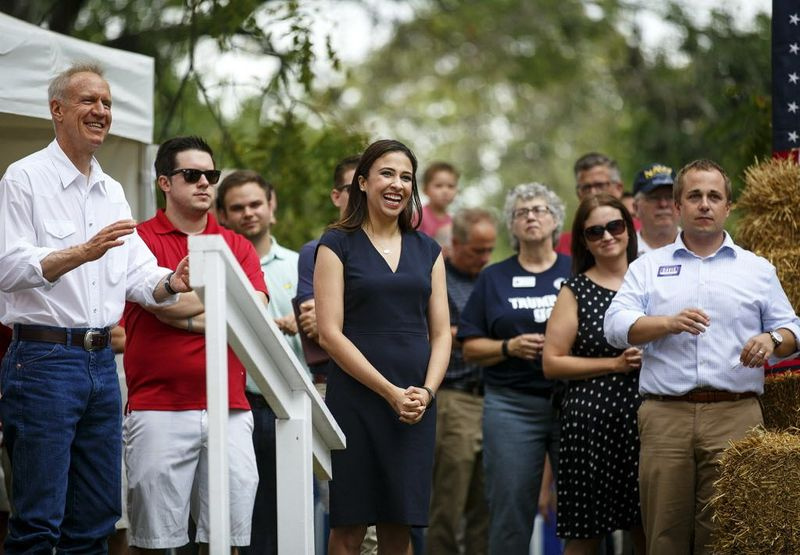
(771, 185)
(781, 401)
(786, 260)
(770, 207)
(765, 233)
(757, 496)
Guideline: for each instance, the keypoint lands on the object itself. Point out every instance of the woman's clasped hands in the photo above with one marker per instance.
(410, 403)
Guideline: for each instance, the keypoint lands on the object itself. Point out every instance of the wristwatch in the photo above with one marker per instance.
(776, 337)
(172, 291)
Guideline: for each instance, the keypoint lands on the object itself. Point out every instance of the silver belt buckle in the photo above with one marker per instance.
(88, 340)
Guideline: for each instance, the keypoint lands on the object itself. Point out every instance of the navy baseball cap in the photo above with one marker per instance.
(653, 176)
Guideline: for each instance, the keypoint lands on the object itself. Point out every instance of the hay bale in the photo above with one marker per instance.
(757, 500)
(770, 223)
(767, 205)
(787, 265)
(781, 401)
(765, 233)
(771, 187)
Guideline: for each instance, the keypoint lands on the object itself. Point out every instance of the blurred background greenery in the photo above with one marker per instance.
(510, 91)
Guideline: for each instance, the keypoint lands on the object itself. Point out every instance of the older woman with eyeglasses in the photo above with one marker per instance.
(598, 459)
(502, 328)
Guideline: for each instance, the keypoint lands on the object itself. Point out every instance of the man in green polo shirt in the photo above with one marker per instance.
(245, 204)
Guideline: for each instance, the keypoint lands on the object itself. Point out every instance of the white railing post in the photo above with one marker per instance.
(213, 280)
(306, 432)
(295, 479)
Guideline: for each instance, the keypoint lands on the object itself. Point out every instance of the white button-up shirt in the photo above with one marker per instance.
(738, 290)
(47, 205)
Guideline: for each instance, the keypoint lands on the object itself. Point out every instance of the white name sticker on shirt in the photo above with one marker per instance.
(669, 270)
(523, 281)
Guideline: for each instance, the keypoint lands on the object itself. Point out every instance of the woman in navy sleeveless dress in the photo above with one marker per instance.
(381, 305)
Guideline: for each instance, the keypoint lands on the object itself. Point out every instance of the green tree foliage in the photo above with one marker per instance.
(515, 90)
(509, 90)
(267, 136)
(716, 105)
(171, 30)
(298, 160)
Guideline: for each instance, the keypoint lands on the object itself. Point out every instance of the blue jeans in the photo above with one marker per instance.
(518, 430)
(61, 415)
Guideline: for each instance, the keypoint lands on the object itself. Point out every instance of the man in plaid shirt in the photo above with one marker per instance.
(458, 465)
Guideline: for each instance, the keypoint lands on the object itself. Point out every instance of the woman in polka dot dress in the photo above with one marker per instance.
(597, 479)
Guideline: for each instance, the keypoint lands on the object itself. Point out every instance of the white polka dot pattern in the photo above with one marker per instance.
(599, 455)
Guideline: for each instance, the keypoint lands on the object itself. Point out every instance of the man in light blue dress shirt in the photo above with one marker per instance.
(707, 314)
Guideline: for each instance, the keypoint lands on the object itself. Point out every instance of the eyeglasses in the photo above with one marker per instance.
(596, 232)
(584, 188)
(191, 175)
(537, 211)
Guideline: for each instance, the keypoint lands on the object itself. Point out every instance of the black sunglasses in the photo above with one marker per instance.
(191, 175)
(596, 232)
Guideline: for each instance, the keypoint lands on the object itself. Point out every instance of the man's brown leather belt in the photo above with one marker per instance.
(89, 339)
(703, 396)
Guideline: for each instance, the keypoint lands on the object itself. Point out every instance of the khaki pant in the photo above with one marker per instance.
(680, 447)
(458, 491)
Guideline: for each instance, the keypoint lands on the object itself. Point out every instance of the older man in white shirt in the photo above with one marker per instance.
(69, 258)
(707, 314)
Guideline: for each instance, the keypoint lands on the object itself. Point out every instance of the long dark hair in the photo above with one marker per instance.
(356, 212)
(582, 259)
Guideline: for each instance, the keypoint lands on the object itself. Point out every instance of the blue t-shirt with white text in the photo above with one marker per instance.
(507, 301)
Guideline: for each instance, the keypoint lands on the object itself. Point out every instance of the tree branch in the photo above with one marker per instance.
(227, 140)
(16, 8)
(63, 16)
(175, 99)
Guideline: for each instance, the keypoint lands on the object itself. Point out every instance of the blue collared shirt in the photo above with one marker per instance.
(738, 290)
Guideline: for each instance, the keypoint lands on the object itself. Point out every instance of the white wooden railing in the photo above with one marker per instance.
(305, 429)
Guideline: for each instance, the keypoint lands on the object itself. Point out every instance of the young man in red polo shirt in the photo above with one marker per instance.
(165, 429)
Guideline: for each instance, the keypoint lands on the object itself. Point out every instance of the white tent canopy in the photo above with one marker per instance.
(30, 57)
